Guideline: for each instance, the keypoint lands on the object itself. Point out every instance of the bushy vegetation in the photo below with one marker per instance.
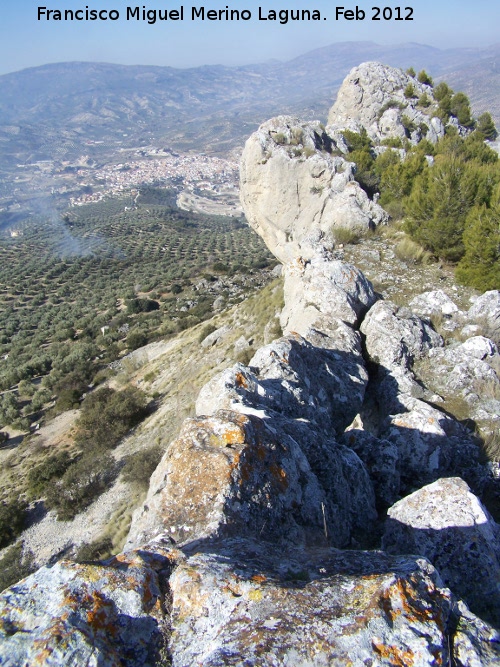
(139, 466)
(447, 193)
(15, 566)
(69, 480)
(12, 519)
(107, 415)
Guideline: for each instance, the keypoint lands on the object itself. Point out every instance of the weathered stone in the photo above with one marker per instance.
(372, 97)
(296, 379)
(447, 524)
(331, 289)
(214, 337)
(468, 372)
(381, 458)
(433, 303)
(486, 311)
(255, 606)
(71, 614)
(234, 474)
(395, 337)
(431, 444)
(294, 190)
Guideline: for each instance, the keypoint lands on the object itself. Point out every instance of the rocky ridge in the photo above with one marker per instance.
(252, 546)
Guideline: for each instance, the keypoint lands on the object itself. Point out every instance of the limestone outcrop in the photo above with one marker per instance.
(296, 187)
(257, 542)
(372, 97)
(447, 524)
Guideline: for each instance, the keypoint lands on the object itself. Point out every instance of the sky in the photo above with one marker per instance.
(26, 41)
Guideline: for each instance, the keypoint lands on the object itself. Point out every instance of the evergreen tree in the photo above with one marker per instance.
(409, 91)
(480, 266)
(486, 126)
(460, 108)
(423, 77)
(440, 201)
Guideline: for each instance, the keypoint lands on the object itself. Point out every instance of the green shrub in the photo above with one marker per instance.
(12, 519)
(409, 91)
(480, 265)
(136, 339)
(423, 77)
(139, 466)
(424, 101)
(15, 566)
(486, 126)
(81, 484)
(107, 415)
(53, 468)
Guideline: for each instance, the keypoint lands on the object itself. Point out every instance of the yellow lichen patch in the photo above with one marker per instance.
(387, 608)
(255, 595)
(396, 656)
(414, 607)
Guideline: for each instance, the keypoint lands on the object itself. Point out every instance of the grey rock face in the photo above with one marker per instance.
(234, 474)
(294, 190)
(296, 379)
(430, 444)
(372, 97)
(433, 303)
(395, 337)
(259, 489)
(246, 605)
(324, 288)
(241, 602)
(486, 312)
(468, 372)
(447, 523)
(88, 614)
(382, 460)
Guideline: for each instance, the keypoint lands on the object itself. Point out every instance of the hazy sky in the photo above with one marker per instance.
(25, 41)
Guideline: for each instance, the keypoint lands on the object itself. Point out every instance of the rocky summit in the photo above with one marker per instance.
(262, 540)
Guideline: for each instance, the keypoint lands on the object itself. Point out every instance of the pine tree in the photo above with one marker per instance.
(480, 266)
(423, 77)
(486, 126)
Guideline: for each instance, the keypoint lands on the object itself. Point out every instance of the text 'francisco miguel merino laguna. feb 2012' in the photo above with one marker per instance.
(202, 13)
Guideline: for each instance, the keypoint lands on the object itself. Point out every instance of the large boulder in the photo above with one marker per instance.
(233, 474)
(372, 96)
(447, 524)
(322, 383)
(294, 189)
(431, 444)
(394, 339)
(241, 602)
(70, 614)
(485, 311)
(328, 289)
(259, 606)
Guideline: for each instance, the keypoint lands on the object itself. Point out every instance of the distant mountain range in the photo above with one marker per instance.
(69, 109)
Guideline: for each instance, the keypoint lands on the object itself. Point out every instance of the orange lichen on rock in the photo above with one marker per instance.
(397, 657)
